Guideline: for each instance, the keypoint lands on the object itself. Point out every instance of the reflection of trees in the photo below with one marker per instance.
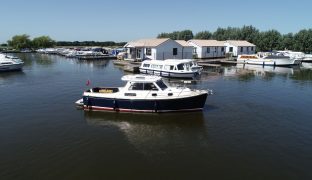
(4, 75)
(303, 75)
(151, 134)
(94, 63)
(44, 59)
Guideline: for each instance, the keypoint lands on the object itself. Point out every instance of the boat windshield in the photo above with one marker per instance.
(161, 85)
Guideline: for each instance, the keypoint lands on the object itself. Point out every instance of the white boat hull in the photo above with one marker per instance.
(270, 62)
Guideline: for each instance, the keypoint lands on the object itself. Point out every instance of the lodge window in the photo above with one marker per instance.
(148, 51)
(241, 49)
(222, 49)
(175, 51)
(208, 49)
(252, 48)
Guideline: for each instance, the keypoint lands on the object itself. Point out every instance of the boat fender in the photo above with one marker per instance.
(155, 106)
(114, 107)
(88, 102)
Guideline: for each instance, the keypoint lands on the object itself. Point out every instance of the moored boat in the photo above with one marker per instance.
(143, 93)
(267, 59)
(10, 63)
(178, 68)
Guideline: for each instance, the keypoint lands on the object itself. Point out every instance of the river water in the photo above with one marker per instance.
(256, 125)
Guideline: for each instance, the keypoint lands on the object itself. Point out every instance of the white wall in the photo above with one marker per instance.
(198, 49)
(237, 50)
(165, 51)
(215, 51)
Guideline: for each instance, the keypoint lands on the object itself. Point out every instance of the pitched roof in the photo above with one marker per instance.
(201, 42)
(239, 43)
(183, 43)
(146, 42)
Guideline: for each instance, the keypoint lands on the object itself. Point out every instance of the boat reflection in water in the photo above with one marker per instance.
(151, 134)
(256, 70)
(306, 65)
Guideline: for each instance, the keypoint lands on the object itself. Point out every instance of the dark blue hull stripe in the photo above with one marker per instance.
(130, 105)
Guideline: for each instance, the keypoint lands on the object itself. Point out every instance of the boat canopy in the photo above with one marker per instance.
(140, 78)
(168, 61)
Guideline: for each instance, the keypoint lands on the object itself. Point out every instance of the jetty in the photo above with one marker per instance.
(89, 57)
(128, 66)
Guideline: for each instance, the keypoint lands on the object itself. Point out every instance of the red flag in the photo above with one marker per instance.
(88, 83)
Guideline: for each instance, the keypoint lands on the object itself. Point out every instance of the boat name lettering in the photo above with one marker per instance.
(105, 91)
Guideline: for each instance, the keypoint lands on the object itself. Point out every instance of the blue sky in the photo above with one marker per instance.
(124, 20)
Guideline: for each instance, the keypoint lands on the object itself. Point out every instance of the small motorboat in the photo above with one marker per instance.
(143, 93)
(10, 63)
(267, 59)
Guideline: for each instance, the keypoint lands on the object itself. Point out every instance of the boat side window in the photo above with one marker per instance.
(150, 87)
(187, 67)
(156, 66)
(162, 85)
(180, 67)
(146, 65)
(171, 67)
(166, 67)
(136, 86)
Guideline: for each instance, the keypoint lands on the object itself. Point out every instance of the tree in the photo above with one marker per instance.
(303, 41)
(268, 40)
(287, 41)
(163, 35)
(20, 42)
(177, 35)
(203, 35)
(219, 34)
(249, 33)
(185, 35)
(43, 42)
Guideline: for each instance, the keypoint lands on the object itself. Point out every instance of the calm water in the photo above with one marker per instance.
(257, 125)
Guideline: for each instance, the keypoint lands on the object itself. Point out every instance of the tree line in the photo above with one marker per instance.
(23, 41)
(264, 40)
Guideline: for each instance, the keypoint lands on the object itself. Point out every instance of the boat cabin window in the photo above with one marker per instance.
(156, 66)
(171, 67)
(146, 65)
(167, 67)
(136, 86)
(180, 67)
(187, 67)
(161, 84)
(143, 87)
(150, 87)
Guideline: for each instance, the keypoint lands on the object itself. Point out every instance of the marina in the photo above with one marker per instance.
(257, 119)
